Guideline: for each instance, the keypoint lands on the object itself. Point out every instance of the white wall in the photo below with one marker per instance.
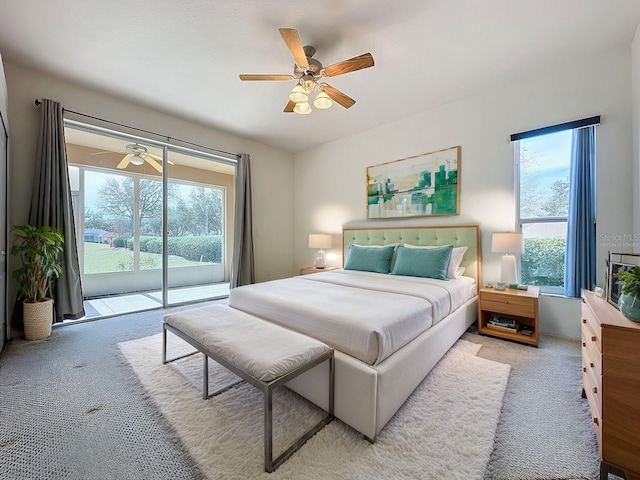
(635, 92)
(3, 93)
(272, 169)
(329, 181)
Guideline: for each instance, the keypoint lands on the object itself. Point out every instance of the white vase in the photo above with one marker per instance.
(37, 318)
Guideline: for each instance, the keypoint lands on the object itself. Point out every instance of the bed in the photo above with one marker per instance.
(388, 330)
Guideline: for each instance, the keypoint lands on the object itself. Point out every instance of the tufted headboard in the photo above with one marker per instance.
(458, 236)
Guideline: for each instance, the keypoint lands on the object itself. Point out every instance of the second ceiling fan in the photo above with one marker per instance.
(308, 73)
(136, 154)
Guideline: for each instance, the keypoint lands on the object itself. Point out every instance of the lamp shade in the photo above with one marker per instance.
(507, 243)
(298, 94)
(302, 108)
(136, 159)
(319, 240)
(322, 101)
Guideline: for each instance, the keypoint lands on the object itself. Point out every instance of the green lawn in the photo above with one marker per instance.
(99, 258)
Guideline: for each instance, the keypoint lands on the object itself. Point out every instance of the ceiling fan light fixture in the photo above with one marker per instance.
(302, 108)
(322, 101)
(136, 159)
(298, 94)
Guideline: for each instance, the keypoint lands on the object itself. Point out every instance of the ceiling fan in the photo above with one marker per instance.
(137, 154)
(308, 73)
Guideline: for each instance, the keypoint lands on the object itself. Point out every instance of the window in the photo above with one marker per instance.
(543, 165)
(555, 185)
(121, 204)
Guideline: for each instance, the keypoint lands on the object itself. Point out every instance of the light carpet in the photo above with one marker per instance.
(445, 429)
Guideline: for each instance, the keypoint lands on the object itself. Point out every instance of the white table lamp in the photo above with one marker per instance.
(509, 244)
(319, 240)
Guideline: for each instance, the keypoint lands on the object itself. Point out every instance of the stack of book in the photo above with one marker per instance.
(504, 324)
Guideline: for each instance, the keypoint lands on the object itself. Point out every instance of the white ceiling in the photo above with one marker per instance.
(184, 57)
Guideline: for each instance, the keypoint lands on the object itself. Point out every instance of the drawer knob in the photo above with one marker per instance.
(595, 389)
(594, 338)
(584, 320)
(591, 364)
(595, 420)
(584, 344)
(584, 369)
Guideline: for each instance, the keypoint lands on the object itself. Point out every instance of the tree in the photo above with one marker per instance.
(117, 200)
(530, 194)
(558, 204)
(207, 207)
(180, 217)
(96, 219)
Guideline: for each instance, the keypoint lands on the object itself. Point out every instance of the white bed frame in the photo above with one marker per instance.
(366, 397)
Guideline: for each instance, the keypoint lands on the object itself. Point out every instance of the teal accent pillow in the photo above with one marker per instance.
(369, 259)
(423, 262)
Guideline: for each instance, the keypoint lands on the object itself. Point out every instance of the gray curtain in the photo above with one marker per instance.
(51, 206)
(242, 262)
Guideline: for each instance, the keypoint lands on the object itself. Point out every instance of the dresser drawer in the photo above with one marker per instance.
(595, 406)
(591, 356)
(589, 321)
(592, 382)
(509, 304)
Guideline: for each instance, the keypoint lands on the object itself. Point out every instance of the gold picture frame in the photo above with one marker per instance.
(422, 185)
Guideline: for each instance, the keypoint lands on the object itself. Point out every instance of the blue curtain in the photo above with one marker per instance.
(580, 258)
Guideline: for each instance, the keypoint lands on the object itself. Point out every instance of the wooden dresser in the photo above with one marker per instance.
(611, 383)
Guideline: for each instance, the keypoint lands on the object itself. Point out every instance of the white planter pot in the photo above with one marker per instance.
(37, 318)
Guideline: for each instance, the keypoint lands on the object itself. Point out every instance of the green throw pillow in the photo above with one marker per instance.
(423, 262)
(369, 259)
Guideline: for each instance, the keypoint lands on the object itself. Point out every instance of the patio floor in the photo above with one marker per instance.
(119, 304)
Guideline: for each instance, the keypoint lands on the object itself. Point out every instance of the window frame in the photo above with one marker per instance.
(553, 290)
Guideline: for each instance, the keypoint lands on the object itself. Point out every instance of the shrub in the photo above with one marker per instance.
(205, 248)
(121, 242)
(154, 245)
(543, 261)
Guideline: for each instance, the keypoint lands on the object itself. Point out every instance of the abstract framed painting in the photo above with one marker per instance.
(422, 185)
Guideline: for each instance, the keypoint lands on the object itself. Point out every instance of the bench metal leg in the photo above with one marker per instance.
(269, 464)
(205, 376)
(268, 430)
(267, 389)
(164, 350)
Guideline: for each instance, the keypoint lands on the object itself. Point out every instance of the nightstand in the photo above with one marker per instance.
(507, 305)
(308, 270)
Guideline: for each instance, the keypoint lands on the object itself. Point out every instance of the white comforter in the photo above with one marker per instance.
(366, 315)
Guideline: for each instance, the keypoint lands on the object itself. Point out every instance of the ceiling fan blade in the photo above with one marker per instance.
(153, 163)
(289, 107)
(351, 65)
(265, 77)
(159, 159)
(338, 97)
(292, 39)
(124, 162)
(101, 153)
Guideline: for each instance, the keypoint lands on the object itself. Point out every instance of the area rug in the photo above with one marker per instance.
(445, 429)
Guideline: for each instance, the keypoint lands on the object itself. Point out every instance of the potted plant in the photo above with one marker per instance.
(39, 249)
(629, 281)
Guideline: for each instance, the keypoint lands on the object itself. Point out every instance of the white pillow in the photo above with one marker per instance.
(457, 254)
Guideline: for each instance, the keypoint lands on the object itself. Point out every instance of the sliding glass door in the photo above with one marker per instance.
(151, 221)
(196, 215)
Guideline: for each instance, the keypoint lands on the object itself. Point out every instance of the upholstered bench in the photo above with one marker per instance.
(260, 353)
